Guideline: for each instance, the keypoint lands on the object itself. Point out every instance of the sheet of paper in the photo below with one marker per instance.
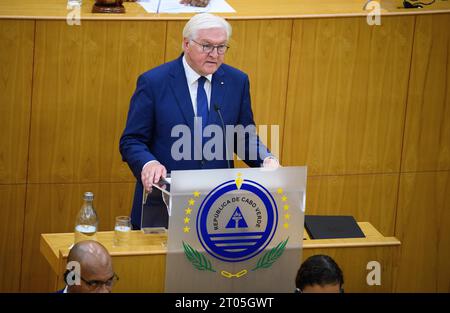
(174, 6)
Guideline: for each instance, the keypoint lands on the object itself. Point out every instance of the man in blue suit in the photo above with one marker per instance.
(196, 92)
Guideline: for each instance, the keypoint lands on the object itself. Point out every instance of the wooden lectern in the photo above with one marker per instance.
(141, 265)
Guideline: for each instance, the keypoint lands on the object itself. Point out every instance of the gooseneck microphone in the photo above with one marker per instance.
(217, 109)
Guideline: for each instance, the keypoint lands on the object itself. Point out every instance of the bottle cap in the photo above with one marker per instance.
(88, 196)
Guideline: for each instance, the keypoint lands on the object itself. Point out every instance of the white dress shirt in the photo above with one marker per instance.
(192, 80)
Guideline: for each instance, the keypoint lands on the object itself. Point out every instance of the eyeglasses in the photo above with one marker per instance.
(208, 48)
(95, 284)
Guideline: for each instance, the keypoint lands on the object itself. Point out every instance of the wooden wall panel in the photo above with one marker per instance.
(423, 227)
(427, 134)
(347, 95)
(83, 80)
(174, 40)
(12, 207)
(260, 49)
(16, 64)
(369, 198)
(52, 208)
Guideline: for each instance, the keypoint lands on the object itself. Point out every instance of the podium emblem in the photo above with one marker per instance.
(237, 220)
(225, 215)
(237, 230)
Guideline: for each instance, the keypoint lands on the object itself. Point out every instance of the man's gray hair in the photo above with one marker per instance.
(205, 21)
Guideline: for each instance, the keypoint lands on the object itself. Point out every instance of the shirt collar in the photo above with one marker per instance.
(191, 75)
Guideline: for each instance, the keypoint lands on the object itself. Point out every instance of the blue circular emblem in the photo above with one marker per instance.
(235, 224)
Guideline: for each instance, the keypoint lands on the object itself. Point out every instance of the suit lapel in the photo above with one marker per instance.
(179, 86)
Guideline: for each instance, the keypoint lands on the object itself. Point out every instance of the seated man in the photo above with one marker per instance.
(319, 274)
(90, 269)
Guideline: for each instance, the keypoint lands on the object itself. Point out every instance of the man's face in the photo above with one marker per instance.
(202, 62)
(95, 280)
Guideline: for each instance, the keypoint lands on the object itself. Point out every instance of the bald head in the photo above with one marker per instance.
(95, 263)
(90, 254)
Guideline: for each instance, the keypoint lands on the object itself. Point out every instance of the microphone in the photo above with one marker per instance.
(217, 109)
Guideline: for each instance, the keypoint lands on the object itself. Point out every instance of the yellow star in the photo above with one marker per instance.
(287, 216)
(196, 194)
(286, 207)
(191, 201)
(279, 191)
(284, 198)
(286, 225)
(188, 211)
(186, 220)
(186, 229)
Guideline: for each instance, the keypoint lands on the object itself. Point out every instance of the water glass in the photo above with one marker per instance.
(122, 231)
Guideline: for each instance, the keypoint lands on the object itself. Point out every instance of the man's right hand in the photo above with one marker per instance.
(151, 173)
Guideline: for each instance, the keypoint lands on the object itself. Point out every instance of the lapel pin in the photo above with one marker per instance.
(221, 83)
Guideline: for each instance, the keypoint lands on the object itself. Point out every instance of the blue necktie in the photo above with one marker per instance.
(202, 101)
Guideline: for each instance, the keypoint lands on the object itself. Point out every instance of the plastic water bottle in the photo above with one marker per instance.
(87, 222)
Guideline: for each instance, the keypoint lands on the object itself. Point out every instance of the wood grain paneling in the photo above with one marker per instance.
(347, 95)
(12, 207)
(84, 79)
(52, 208)
(260, 49)
(423, 227)
(16, 64)
(353, 263)
(427, 134)
(369, 198)
(174, 39)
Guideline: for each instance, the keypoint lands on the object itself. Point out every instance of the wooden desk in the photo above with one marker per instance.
(141, 265)
(245, 9)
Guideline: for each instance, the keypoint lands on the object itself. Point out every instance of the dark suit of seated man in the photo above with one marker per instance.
(195, 89)
(90, 269)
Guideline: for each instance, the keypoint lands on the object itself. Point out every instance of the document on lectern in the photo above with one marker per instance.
(174, 6)
(154, 203)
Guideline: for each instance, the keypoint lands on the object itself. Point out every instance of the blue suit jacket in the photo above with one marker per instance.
(161, 101)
